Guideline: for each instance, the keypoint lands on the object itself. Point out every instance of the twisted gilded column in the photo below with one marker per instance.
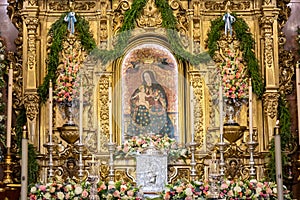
(270, 62)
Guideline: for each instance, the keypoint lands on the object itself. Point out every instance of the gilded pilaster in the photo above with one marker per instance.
(270, 100)
(197, 83)
(31, 98)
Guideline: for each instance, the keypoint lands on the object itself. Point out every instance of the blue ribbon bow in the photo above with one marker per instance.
(229, 19)
(70, 18)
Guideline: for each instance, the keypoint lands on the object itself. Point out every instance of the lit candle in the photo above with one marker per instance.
(298, 95)
(50, 111)
(80, 112)
(9, 106)
(250, 112)
(221, 112)
(192, 111)
(110, 109)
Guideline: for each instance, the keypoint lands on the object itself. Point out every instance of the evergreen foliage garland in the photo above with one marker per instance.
(58, 32)
(247, 45)
(169, 22)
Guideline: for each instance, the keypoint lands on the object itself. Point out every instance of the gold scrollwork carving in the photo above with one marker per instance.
(65, 5)
(17, 79)
(197, 83)
(103, 110)
(213, 5)
(286, 58)
(270, 104)
(118, 16)
(31, 102)
(150, 17)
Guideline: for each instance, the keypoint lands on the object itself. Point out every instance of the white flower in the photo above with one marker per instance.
(68, 187)
(258, 190)
(47, 195)
(237, 189)
(33, 190)
(60, 195)
(275, 190)
(78, 190)
(76, 198)
(188, 192)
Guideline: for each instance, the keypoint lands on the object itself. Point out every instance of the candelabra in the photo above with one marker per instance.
(80, 148)
(93, 178)
(222, 146)
(214, 178)
(8, 163)
(111, 150)
(252, 144)
(50, 147)
(193, 163)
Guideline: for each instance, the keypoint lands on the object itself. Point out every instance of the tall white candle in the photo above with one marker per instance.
(50, 111)
(221, 112)
(80, 113)
(278, 162)
(192, 111)
(110, 109)
(250, 112)
(298, 95)
(24, 165)
(9, 106)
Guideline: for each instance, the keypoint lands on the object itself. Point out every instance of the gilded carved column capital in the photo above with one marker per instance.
(32, 23)
(31, 103)
(270, 103)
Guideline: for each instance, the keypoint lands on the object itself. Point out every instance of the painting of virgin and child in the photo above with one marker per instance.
(149, 100)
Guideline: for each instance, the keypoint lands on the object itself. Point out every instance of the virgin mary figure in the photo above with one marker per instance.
(148, 109)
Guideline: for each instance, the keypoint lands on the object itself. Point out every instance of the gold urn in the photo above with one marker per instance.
(233, 133)
(70, 134)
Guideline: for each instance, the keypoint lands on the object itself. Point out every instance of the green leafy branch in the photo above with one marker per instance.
(58, 32)
(247, 45)
(169, 22)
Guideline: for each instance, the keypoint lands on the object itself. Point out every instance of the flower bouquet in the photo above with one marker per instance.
(234, 83)
(137, 144)
(184, 189)
(67, 83)
(234, 79)
(118, 190)
(54, 190)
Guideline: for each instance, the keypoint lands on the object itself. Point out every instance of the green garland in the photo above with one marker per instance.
(247, 45)
(58, 32)
(169, 22)
(33, 166)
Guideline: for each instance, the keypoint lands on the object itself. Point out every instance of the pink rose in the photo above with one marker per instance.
(85, 194)
(130, 193)
(116, 193)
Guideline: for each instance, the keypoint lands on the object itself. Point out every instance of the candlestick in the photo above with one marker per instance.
(80, 112)
(278, 162)
(24, 165)
(250, 112)
(298, 95)
(50, 110)
(221, 112)
(110, 109)
(192, 111)
(9, 106)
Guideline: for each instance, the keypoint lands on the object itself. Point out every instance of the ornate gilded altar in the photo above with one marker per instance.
(34, 19)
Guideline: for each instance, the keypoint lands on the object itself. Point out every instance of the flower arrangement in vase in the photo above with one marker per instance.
(67, 86)
(234, 83)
